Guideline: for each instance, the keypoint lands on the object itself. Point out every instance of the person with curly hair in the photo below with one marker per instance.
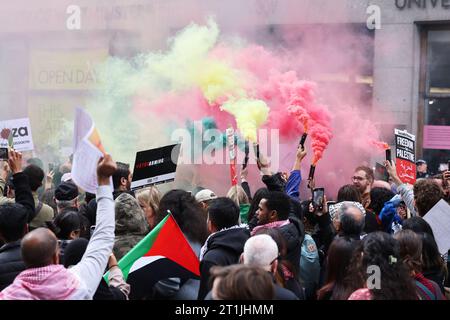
(378, 250)
(426, 194)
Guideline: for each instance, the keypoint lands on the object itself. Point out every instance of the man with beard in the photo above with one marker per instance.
(122, 179)
(362, 179)
(274, 212)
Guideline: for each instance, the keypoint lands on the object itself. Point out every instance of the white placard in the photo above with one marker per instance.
(439, 220)
(21, 132)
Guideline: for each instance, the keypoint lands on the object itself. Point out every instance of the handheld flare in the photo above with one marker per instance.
(256, 148)
(247, 151)
(312, 169)
(302, 140)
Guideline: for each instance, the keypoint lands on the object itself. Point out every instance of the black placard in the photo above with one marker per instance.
(155, 166)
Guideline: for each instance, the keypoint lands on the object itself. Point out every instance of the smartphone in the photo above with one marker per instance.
(318, 194)
(3, 153)
(51, 166)
(448, 165)
(388, 155)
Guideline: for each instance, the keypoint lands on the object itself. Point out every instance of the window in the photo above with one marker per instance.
(435, 85)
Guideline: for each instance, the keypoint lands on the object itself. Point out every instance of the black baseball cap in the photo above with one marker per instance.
(66, 191)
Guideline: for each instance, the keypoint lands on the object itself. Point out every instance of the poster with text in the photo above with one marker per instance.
(405, 152)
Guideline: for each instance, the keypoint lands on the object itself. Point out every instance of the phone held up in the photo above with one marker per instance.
(318, 198)
(3, 153)
(388, 155)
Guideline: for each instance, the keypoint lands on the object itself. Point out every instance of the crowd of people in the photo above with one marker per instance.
(370, 243)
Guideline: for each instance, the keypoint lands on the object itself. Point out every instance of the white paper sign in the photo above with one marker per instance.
(87, 152)
(21, 133)
(439, 220)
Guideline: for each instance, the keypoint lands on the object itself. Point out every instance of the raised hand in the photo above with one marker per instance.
(105, 169)
(15, 161)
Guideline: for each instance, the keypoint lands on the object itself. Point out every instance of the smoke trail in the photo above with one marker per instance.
(250, 114)
(203, 78)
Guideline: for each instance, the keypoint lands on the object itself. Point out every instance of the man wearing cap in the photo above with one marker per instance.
(204, 197)
(422, 169)
(66, 196)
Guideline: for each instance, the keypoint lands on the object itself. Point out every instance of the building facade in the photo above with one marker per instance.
(47, 68)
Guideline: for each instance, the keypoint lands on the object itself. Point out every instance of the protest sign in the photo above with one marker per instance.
(88, 150)
(439, 220)
(155, 166)
(406, 156)
(20, 132)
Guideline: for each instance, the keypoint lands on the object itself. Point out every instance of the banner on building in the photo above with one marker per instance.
(405, 152)
(65, 70)
(436, 137)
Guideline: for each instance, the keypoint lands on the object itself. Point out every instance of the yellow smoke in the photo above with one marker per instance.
(188, 63)
(250, 114)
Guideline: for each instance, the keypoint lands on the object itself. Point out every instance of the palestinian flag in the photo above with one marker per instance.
(163, 253)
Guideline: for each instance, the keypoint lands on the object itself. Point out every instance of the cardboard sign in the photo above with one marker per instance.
(405, 152)
(155, 166)
(439, 220)
(20, 130)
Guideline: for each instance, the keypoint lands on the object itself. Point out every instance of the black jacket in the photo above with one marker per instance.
(11, 263)
(284, 294)
(23, 194)
(223, 249)
(293, 233)
(274, 182)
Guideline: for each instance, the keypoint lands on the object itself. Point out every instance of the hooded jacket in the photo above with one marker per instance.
(222, 248)
(131, 225)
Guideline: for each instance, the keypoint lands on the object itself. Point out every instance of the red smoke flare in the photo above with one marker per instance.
(298, 98)
(380, 144)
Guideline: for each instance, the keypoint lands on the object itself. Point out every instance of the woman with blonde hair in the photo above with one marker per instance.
(239, 196)
(149, 199)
